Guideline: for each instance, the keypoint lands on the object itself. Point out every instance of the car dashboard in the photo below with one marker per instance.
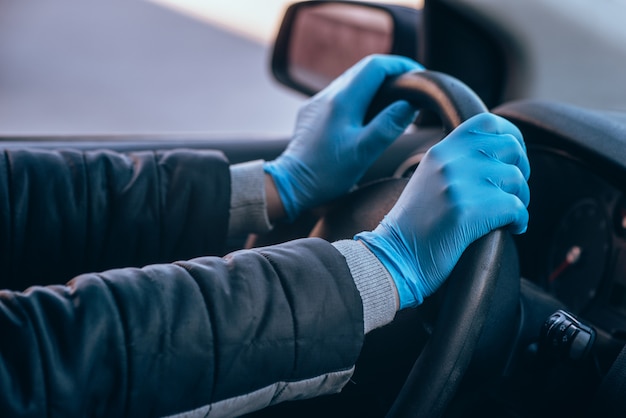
(572, 257)
(575, 246)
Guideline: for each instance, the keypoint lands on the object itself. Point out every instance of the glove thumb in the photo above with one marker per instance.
(388, 125)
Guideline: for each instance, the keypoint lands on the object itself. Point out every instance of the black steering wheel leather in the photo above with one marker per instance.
(470, 290)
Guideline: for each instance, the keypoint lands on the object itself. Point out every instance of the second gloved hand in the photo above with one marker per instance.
(472, 182)
(332, 147)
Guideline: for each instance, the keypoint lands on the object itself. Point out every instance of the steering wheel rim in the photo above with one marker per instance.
(437, 373)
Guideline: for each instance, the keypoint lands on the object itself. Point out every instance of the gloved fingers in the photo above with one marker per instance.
(342, 82)
(360, 83)
(510, 180)
(491, 124)
(493, 137)
(503, 210)
(504, 148)
(517, 218)
(386, 127)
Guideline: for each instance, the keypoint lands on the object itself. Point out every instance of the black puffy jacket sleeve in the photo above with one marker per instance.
(68, 212)
(218, 336)
(212, 336)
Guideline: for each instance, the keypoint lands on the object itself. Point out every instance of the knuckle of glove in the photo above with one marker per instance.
(460, 206)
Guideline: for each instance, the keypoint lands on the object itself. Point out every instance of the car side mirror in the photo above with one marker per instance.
(318, 40)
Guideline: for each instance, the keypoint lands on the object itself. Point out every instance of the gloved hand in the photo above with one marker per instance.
(472, 182)
(332, 148)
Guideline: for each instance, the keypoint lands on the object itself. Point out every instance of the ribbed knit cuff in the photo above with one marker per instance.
(248, 205)
(377, 289)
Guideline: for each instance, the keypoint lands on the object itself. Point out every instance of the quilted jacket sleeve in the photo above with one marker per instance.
(215, 336)
(63, 213)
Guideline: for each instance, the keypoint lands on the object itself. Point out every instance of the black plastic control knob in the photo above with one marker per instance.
(565, 336)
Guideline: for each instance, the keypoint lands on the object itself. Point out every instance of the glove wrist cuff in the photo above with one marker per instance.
(394, 262)
(285, 189)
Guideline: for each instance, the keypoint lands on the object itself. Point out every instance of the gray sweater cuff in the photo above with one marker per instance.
(248, 205)
(374, 283)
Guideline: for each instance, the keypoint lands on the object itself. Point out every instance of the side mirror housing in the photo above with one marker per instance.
(318, 40)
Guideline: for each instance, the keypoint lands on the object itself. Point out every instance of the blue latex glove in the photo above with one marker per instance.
(472, 182)
(332, 148)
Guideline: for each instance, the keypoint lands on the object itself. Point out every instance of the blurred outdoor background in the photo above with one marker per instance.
(158, 66)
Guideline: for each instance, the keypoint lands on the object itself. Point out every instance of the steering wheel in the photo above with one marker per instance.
(471, 289)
